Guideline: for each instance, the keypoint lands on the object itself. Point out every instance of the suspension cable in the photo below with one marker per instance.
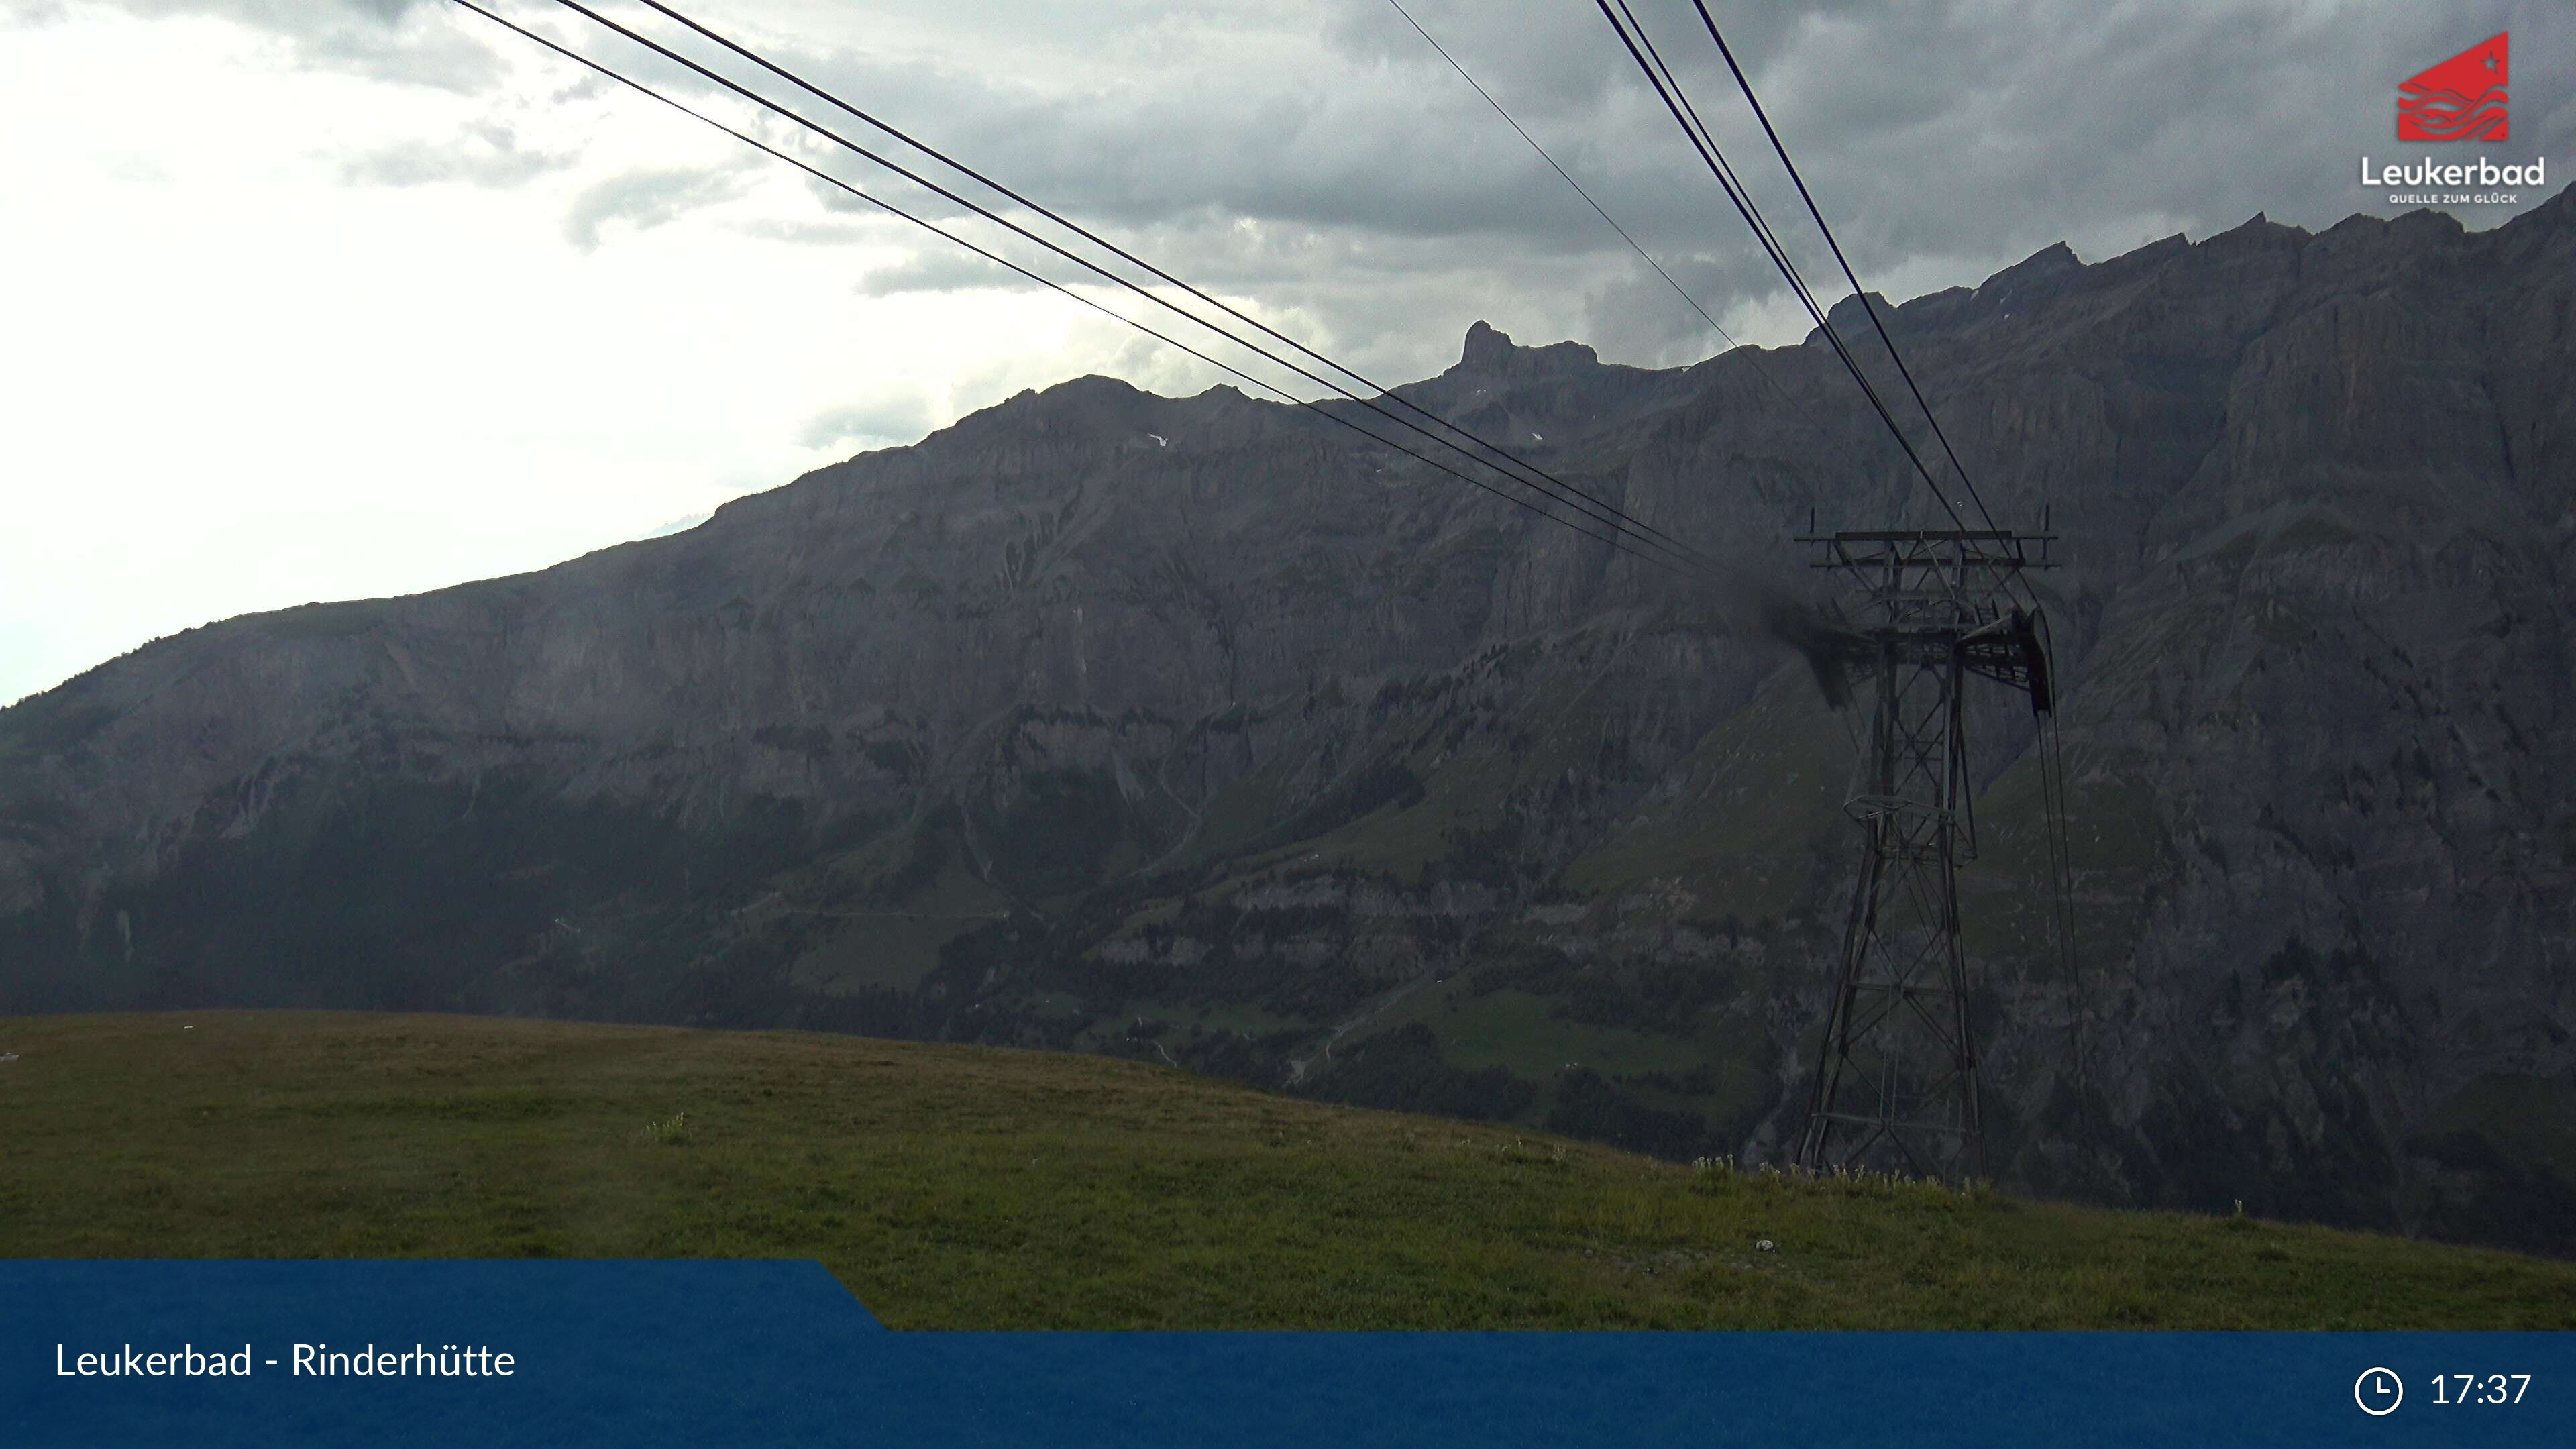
(889, 207)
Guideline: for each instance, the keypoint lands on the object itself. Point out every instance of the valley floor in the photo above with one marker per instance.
(961, 1187)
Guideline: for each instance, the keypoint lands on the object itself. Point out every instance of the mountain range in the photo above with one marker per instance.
(1208, 731)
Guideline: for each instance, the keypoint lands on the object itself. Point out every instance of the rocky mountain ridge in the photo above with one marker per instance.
(1201, 730)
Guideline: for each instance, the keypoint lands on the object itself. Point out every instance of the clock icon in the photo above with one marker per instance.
(2378, 1392)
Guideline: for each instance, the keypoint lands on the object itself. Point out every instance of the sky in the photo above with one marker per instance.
(326, 299)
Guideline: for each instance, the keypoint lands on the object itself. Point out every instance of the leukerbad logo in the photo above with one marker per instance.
(2462, 99)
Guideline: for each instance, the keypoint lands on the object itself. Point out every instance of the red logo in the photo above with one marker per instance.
(2462, 99)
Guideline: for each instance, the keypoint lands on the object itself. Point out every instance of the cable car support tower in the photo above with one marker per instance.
(1895, 1086)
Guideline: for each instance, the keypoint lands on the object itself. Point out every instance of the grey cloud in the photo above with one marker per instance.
(879, 422)
(410, 42)
(482, 155)
(410, 45)
(1952, 140)
(1327, 162)
(644, 200)
(590, 85)
(1296, 141)
(1548, 62)
(1945, 140)
(1657, 326)
(1296, 174)
(804, 233)
(945, 270)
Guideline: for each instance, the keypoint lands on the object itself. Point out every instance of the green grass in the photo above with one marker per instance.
(973, 1188)
(892, 946)
(1757, 794)
(1515, 1029)
(2527, 1119)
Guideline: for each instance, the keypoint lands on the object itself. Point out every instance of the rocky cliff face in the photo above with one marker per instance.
(1202, 730)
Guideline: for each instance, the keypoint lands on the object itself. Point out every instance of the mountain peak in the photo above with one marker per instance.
(2033, 279)
(1852, 313)
(1490, 350)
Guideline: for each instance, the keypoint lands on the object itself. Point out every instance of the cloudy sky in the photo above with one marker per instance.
(318, 299)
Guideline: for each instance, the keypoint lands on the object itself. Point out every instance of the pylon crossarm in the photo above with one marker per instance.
(1867, 808)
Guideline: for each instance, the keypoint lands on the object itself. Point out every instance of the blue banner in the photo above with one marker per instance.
(774, 1353)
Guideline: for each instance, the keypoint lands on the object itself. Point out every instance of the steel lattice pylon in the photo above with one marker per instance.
(1896, 1074)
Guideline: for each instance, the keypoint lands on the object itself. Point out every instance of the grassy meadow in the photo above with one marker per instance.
(960, 1187)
